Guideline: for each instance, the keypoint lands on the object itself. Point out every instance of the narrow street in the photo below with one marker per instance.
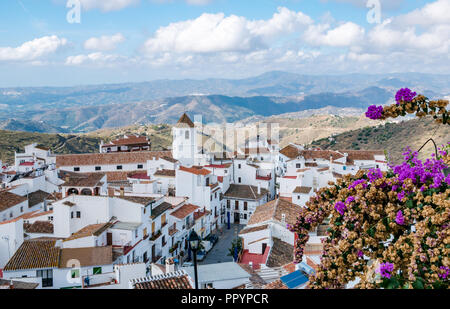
(219, 253)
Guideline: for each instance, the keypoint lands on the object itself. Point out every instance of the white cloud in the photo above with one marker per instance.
(216, 33)
(435, 13)
(344, 35)
(97, 58)
(32, 50)
(104, 43)
(107, 5)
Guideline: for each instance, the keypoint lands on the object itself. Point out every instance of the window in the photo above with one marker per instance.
(163, 219)
(228, 204)
(207, 181)
(78, 214)
(10, 214)
(75, 273)
(239, 180)
(136, 234)
(153, 227)
(97, 270)
(140, 166)
(98, 168)
(186, 135)
(21, 208)
(245, 216)
(71, 215)
(298, 165)
(119, 167)
(76, 169)
(47, 277)
(245, 206)
(236, 205)
(239, 166)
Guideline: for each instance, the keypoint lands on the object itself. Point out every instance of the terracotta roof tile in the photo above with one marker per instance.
(274, 210)
(91, 256)
(253, 229)
(282, 253)
(109, 158)
(165, 173)
(8, 200)
(89, 230)
(82, 179)
(245, 192)
(184, 122)
(171, 281)
(33, 254)
(137, 199)
(290, 151)
(39, 227)
(302, 190)
(184, 211)
(195, 170)
(276, 285)
(129, 140)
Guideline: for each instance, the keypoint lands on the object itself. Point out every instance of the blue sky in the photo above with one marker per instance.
(138, 40)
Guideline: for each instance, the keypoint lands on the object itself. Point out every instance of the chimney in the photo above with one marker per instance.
(170, 266)
(122, 191)
(111, 192)
(259, 188)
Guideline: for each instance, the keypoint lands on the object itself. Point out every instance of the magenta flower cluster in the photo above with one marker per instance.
(445, 272)
(358, 182)
(404, 94)
(400, 219)
(386, 269)
(429, 172)
(340, 207)
(374, 174)
(375, 112)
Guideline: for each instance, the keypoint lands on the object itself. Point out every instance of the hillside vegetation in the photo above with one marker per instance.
(392, 137)
(12, 141)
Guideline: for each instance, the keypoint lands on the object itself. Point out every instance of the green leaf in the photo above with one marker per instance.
(418, 284)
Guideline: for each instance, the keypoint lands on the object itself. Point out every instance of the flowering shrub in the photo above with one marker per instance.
(388, 229)
(408, 102)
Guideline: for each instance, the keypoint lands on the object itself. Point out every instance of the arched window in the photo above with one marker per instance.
(86, 192)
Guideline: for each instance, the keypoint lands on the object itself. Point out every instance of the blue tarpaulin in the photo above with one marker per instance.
(294, 280)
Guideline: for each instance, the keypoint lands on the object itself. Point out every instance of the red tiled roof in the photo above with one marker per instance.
(185, 121)
(184, 211)
(171, 281)
(218, 166)
(8, 200)
(139, 176)
(195, 170)
(109, 158)
(129, 140)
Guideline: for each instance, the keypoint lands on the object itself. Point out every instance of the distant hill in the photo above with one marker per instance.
(213, 108)
(29, 126)
(11, 141)
(392, 137)
(91, 107)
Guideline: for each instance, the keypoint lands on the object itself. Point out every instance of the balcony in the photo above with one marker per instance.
(173, 229)
(163, 224)
(155, 235)
(262, 177)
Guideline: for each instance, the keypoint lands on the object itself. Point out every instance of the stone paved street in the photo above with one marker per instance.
(219, 253)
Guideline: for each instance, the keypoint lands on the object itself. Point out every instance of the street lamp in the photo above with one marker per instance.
(194, 242)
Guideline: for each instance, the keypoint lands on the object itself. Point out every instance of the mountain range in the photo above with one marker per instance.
(87, 108)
